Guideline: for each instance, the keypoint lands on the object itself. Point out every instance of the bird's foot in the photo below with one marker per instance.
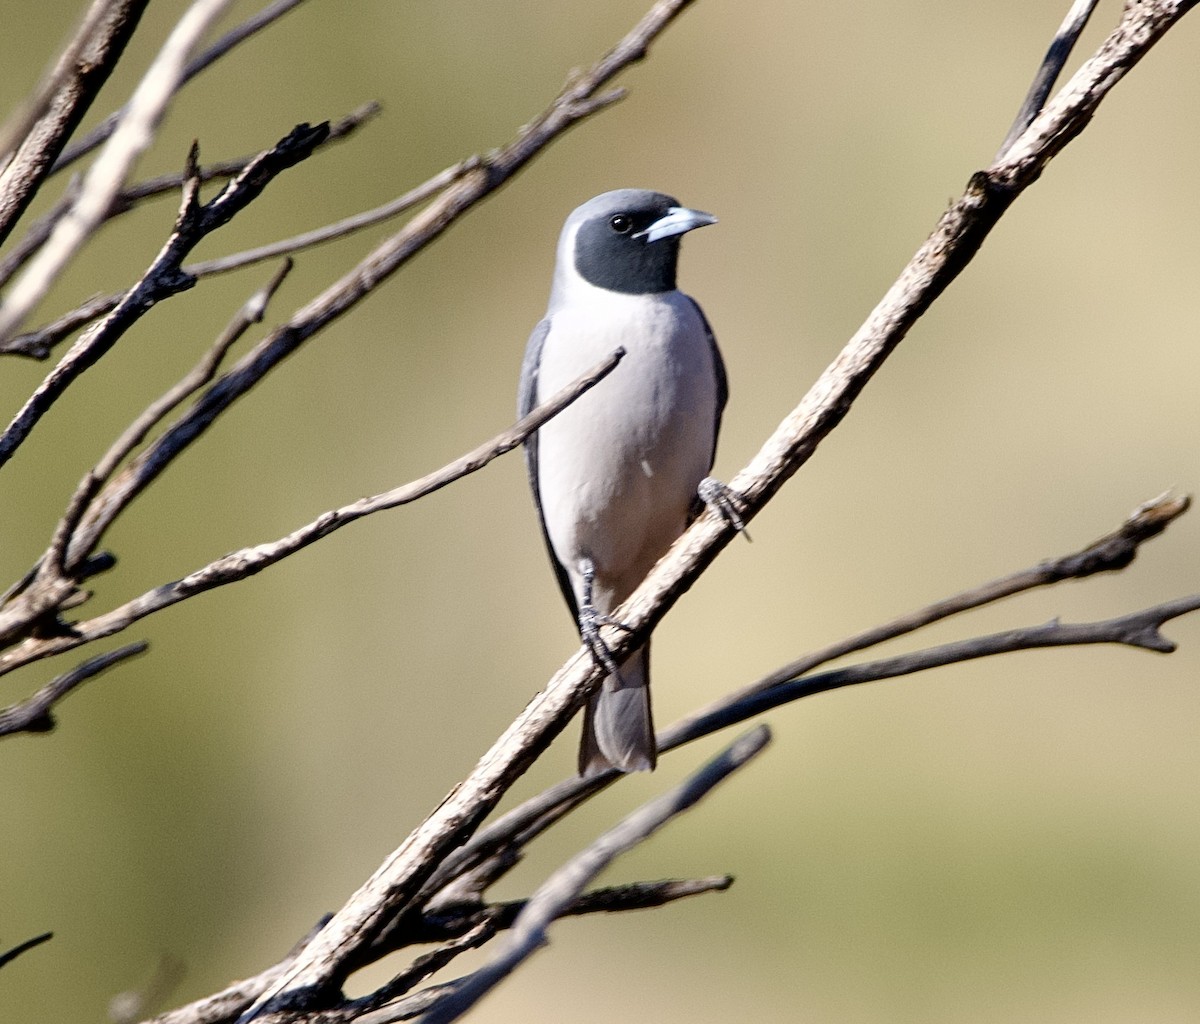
(591, 619)
(723, 500)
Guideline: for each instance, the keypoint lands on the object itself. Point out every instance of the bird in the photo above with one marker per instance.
(619, 475)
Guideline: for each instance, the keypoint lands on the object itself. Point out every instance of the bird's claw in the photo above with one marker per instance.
(590, 621)
(723, 500)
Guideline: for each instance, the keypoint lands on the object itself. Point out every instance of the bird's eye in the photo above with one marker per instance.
(621, 223)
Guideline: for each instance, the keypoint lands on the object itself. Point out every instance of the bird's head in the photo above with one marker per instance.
(628, 240)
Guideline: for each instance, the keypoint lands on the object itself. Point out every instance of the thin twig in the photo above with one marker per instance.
(246, 562)
(564, 887)
(338, 229)
(10, 955)
(1048, 71)
(104, 179)
(37, 343)
(34, 713)
(1110, 553)
(251, 312)
(164, 277)
(65, 95)
(447, 918)
(101, 133)
(1141, 629)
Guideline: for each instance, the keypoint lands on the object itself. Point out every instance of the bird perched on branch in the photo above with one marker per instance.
(619, 474)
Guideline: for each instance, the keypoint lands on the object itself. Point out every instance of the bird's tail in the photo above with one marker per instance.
(618, 730)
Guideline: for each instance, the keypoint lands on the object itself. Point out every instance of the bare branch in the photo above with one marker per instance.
(339, 229)
(939, 260)
(954, 242)
(521, 825)
(252, 312)
(34, 713)
(65, 95)
(634, 896)
(1047, 74)
(565, 885)
(150, 188)
(251, 26)
(106, 176)
(164, 277)
(613, 899)
(1138, 629)
(640, 895)
(37, 343)
(423, 967)
(10, 955)
(518, 827)
(1110, 553)
(246, 562)
(448, 918)
(514, 830)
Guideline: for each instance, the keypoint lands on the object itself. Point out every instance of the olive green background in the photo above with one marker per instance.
(1010, 840)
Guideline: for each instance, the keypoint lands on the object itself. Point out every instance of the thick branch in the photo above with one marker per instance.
(459, 932)
(501, 841)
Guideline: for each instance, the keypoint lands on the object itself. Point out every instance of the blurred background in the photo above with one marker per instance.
(1015, 839)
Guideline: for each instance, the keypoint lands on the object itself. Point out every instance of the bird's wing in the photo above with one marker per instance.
(527, 400)
(718, 370)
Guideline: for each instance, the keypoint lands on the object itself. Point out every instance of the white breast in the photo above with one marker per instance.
(618, 470)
